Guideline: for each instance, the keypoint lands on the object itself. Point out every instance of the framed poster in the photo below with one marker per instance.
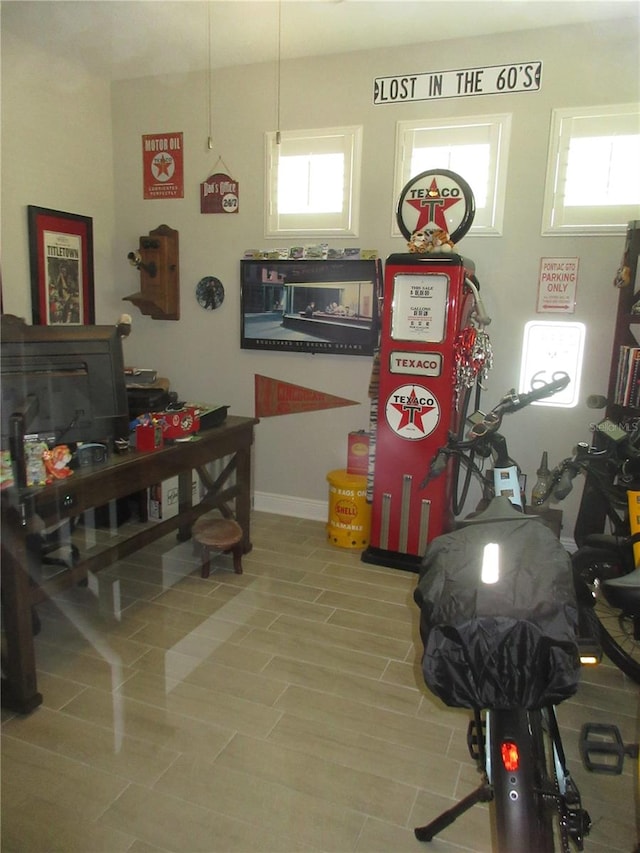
(61, 261)
(310, 306)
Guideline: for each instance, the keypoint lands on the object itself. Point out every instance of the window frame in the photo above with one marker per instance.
(321, 225)
(560, 136)
(500, 135)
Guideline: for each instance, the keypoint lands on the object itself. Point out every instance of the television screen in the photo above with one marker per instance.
(67, 380)
(325, 306)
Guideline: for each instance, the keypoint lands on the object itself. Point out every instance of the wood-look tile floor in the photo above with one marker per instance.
(280, 710)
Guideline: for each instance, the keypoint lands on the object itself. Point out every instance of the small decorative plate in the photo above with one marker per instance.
(210, 293)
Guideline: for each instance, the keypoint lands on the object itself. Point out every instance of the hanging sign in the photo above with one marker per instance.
(461, 83)
(162, 165)
(219, 194)
(557, 285)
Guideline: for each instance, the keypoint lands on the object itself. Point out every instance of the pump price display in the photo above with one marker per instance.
(459, 83)
(419, 307)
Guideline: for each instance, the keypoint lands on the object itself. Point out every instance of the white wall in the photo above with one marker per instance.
(56, 153)
(201, 353)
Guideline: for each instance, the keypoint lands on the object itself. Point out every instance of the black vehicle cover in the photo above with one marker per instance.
(502, 645)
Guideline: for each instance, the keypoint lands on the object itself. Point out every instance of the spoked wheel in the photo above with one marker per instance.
(545, 780)
(619, 632)
(620, 637)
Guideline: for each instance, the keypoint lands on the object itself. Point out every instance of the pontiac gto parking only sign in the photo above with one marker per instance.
(460, 83)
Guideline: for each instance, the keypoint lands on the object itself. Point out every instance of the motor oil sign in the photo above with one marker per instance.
(219, 194)
(163, 165)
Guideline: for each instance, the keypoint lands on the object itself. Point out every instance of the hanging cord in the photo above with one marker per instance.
(210, 81)
(220, 160)
(459, 502)
(279, 72)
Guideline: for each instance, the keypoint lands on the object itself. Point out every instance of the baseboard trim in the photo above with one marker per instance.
(291, 506)
(319, 510)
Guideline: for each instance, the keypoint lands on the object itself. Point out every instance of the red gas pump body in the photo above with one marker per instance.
(426, 304)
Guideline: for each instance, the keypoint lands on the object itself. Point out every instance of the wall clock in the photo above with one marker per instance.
(210, 292)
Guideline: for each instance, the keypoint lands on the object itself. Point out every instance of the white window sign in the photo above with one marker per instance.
(557, 285)
(550, 348)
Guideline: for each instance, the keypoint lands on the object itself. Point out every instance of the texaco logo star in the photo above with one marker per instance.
(429, 202)
(412, 412)
(163, 167)
(431, 209)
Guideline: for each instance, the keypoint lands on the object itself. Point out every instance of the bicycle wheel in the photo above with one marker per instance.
(619, 632)
(523, 805)
(619, 637)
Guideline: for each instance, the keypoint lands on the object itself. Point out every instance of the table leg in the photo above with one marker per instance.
(243, 499)
(19, 687)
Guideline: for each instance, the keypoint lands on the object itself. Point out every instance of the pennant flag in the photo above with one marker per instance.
(273, 397)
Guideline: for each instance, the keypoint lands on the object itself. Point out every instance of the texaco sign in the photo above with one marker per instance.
(436, 200)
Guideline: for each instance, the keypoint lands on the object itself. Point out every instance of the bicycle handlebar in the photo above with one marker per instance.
(490, 423)
(546, 390)
(513, 402)
(565, 472)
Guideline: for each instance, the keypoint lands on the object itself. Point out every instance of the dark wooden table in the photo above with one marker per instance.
(121, 476)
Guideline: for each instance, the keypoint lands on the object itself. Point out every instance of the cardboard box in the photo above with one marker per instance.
(196, 488)
(163, 499)
(358, 452)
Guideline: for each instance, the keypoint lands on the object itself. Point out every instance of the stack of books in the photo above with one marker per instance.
(628, 382)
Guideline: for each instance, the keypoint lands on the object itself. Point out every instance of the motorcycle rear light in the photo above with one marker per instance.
(510, 755)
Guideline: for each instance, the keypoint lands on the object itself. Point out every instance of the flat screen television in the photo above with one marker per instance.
(63, 383)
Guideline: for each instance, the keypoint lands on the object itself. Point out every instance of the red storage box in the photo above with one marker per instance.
(149, 437)
(178, 424)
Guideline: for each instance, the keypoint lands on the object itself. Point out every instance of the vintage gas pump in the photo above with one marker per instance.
(431, 312)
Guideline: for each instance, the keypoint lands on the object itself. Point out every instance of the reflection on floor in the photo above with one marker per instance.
(278, 710)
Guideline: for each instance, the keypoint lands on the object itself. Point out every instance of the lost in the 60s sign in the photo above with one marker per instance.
(459, 83)
(219, 194)
(162, 165)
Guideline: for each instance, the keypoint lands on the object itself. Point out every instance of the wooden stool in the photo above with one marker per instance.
(218, 534)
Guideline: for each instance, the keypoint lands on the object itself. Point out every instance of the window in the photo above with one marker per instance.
(313, 182)
(593, 170)
(475, 147)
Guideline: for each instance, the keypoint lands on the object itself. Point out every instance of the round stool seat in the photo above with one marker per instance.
(222, 534)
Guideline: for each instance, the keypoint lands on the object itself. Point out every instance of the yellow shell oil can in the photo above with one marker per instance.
(349, 522)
